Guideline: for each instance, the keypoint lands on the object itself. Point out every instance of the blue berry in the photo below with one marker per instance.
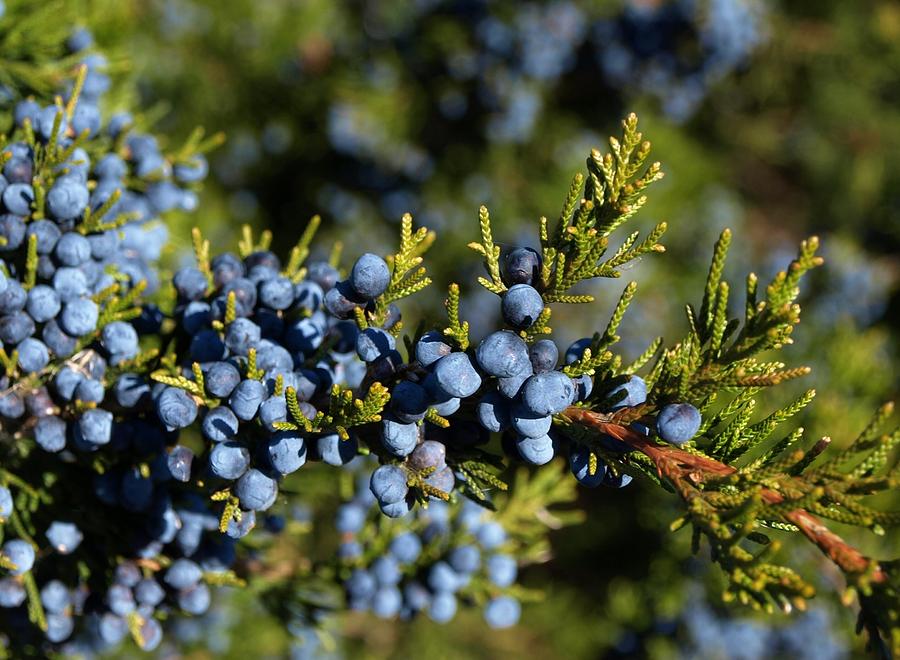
(194, 600)
(443, 480)
(431, 347)
(178, 461)
(386, 570)
(528, 423)
(361, 584)
(120, 600)
(246, 399)
(416, 597)
(242, 335)
(55, 597)
(43, 303)
(510, 387)
(95, 426)
(67, 199)
(112, 629)
(50, 434)
(15, 327)
(120, 339)
(409, 401)
(149, 592)
(221, 378)
(71, 284)
(341, 301)
(677, 423)
(6, 503)
(386, 602)
(372, 343)
(429, 454)
(548, 393)
(465, 559)
(176, 408)
(229, 460)
(490, 535)
(26, 109)
(86, 117)
(277, 293)
(442, 608)
(399, 438)
(502, 612)
(183, 574)
(537, 451)
(18, 198)
(388, 484)
(59, 627)
(238, 529)
(493, 412)
(20, 553)
(79, 317)
(12, 230)
(256, 491)
(11, 405)
(131, 391)
(274, 409)
(503, 354)
(287, 451)
(308, 295)
(442, 578)
(584, 385)
(521, 266)
(13, 297)
(111, 168)
(191, 170)
(33, 355)
(207, 346)
(335, 451)
(18, 169)
(350, 518)
(456, 375)
(576, 349)
(90, 390)
(543, 355)
(190, 283)
(521, 306)
(406, 547)
(370, 276)
(12, 592)
(47, 234)
(244, 293)
(634, 391)
(72, 249)
(66, 381)
(579, 463)
(501, 570)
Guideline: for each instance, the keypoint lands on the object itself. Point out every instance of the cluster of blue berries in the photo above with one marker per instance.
(79, 196)
(257, 337)
(676, 50)
(436, 559)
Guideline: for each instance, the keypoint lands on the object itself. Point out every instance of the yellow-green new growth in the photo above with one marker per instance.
(408, 276)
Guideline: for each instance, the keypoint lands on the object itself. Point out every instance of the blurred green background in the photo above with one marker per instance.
(778, 119)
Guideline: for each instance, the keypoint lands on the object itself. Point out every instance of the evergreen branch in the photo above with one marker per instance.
(778, 497)
(407, 274)
(490, 253)
(456, 329)
(299, 253)
(201, 254)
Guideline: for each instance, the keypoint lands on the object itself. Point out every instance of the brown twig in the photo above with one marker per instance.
(686, 471)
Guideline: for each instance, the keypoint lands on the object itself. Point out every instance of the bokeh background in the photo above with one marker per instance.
(777, 119)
